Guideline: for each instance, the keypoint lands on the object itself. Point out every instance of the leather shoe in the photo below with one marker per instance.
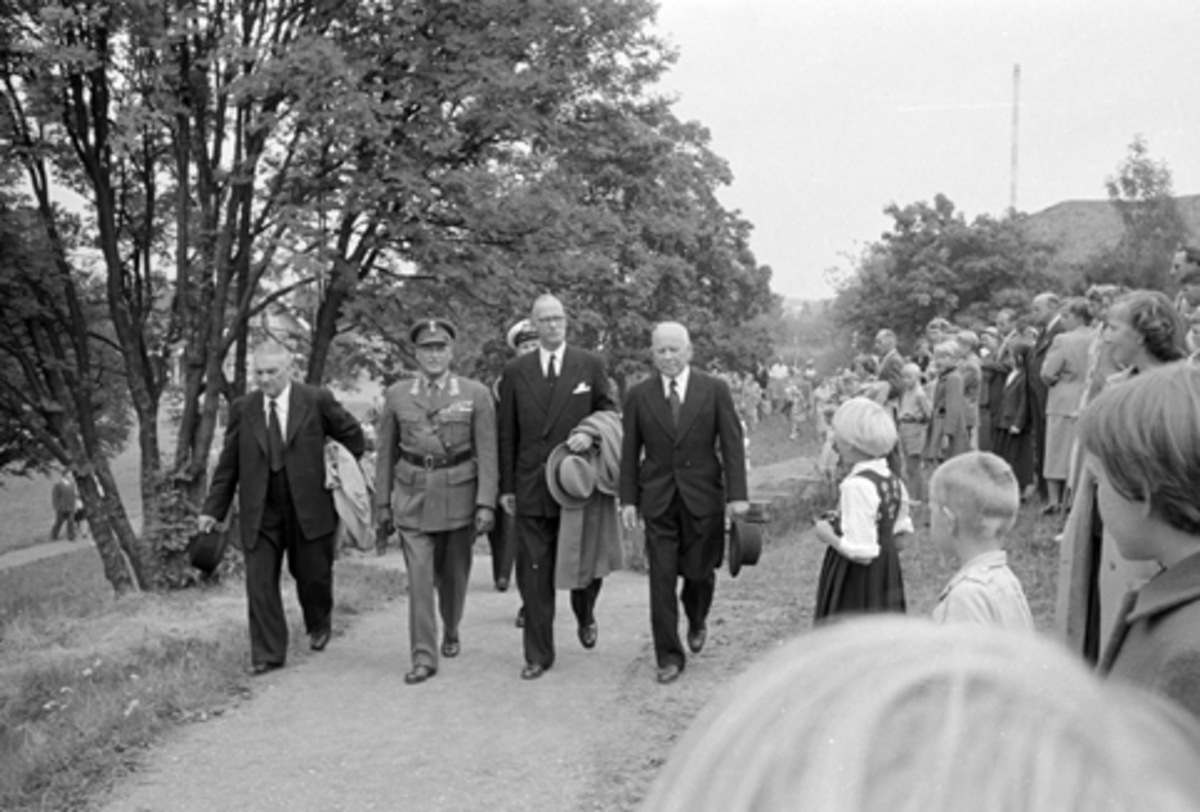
(532, 671)
(668, 674)
(258, 669)
(696, 638)
(521, 618)
(450, 647)
(501, 584)
(588, 633)
(419, 674)
(317, 641)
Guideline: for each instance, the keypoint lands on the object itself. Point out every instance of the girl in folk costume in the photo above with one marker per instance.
(861, 572)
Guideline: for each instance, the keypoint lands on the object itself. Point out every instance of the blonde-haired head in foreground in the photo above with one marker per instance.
(894, 714)
(866, 425)
(980, 490)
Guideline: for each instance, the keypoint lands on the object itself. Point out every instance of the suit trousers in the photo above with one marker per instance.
(310, 562)
(681, 544)
(537, 551)
(441, 563)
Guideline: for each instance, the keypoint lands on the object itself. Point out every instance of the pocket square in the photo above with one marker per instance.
(581, 388)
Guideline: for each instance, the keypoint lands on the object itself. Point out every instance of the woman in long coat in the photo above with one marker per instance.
(1144, 330)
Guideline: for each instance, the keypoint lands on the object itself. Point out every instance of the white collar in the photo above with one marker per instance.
(681, 383)
(544, 356)
(282, 400)
(878, 466)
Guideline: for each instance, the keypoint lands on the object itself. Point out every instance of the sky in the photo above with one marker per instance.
(829, 110)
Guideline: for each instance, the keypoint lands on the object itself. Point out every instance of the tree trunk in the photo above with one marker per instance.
(109, 524)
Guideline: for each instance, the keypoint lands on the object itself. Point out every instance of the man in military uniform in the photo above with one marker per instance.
(436, 481)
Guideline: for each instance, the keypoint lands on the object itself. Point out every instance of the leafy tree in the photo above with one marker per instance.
(354, 166)
(1141, 191)
(934, 263)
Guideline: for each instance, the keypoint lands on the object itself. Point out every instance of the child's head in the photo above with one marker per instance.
(1146, 436)
(974, 498)
(895, 713)
(864, 426)
(910, 376)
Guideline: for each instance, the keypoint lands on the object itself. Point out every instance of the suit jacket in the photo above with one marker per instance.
(704, 460)
(1065, 370)
(314, 416)
(1156, 643)
(534, 419)
(461, 418)
(890, 370)
(1037, 357)
(948, 433)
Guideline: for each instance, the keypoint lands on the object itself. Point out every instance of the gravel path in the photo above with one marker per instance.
(341, 730)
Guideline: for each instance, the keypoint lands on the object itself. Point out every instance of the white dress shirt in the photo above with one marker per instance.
(281, 408)
(544, 355)
(681, 382)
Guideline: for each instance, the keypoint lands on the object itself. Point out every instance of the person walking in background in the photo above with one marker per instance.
(522, 338)
(436, 483)
(273, 457)
(861, 571)
(62, 500)
(683, 473)
(1064, 373)
(543, 397)
(973, 505)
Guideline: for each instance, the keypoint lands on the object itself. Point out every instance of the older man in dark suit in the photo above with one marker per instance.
(683, 468)
(274, 457)
(543, 397)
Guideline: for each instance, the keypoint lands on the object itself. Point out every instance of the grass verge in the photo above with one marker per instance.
(88, 682)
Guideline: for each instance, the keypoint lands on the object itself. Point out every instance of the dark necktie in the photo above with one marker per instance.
(551, 373)
(675, 402)
(274, 440)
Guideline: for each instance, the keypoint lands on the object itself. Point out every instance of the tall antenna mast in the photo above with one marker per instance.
(1016, 110)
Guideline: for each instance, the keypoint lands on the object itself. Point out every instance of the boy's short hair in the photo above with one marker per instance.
(1146, 433)
(866, 425)
(981, 490)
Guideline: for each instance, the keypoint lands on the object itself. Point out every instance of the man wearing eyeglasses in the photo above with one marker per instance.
(543, 397)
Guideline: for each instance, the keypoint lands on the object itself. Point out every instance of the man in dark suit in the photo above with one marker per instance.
(1045, 314)
(890, 363)
(274, 457)
(691, 477)
(543, 396)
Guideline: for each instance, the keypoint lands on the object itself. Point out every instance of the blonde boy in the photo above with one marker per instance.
(974, 500)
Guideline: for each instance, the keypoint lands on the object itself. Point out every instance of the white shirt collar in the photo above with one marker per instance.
(281, 405)
(681, 383)
(544, 356)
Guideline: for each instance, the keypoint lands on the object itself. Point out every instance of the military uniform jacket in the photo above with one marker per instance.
(436, 493)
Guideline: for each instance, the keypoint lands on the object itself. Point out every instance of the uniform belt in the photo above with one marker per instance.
(431, 462)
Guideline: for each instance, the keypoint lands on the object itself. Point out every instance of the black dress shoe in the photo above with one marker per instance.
(419, 674)
(532, 671)
(668, 674)
(258, 669)
(521, 618)
(696, 639)
(317, 641)
(501, 584)
(450, 646)
(588, 634)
